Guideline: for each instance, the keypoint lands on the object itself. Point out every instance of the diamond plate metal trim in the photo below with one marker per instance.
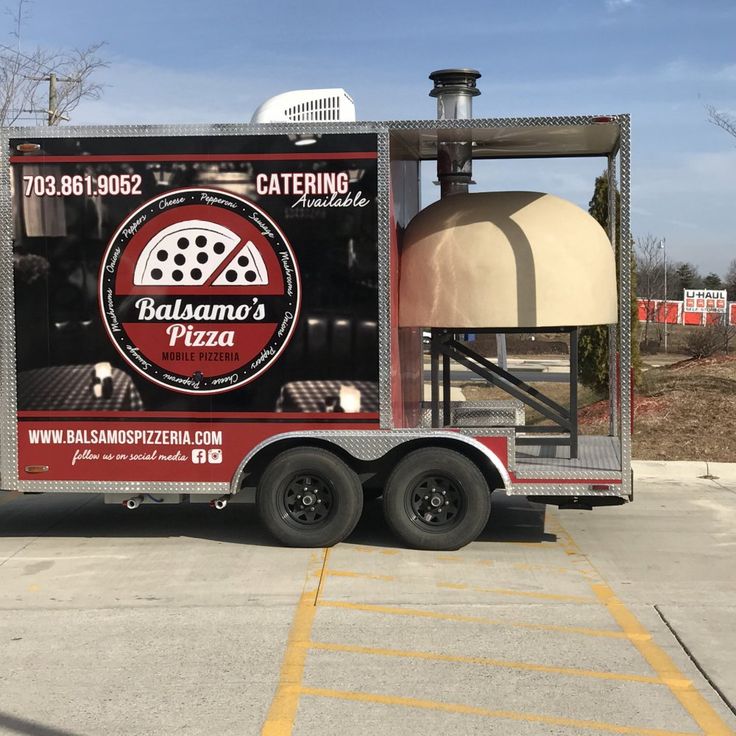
(8, 425)
(501, 413)
(372, 445)
(130, 487)
(525, 122)
(612, 329)
(625, 297)
(562, 490)
(598, 457)
(386, 419)
(209, 129)
(142, 131)
(567, 474)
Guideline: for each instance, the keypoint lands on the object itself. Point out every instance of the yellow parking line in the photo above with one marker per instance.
(453, 558)
(680, 686)
(370, 550)
(690, 699)
(281, 714)
(484, 712)
(485, 661)
(530, 566)
(361, 575)
(419, 613)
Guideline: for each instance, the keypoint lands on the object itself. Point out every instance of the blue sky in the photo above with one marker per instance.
(662, 61)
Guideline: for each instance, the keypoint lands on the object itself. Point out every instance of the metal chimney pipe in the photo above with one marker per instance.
(454, 90)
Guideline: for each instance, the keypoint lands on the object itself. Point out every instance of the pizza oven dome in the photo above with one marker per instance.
(506, 259)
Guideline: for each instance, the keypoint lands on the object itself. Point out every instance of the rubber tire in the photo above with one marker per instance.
(442, 462)
(345, 484)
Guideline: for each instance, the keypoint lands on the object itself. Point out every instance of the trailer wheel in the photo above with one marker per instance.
(308, 497)
(436, 499)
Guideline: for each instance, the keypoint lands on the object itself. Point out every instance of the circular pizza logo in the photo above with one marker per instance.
(199, 291)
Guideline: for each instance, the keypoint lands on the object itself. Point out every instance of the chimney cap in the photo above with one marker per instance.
(455, 80)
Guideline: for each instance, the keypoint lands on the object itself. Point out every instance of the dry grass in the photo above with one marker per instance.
(558, 392)
(692, 414)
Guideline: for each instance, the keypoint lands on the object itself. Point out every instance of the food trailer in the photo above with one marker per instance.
(200, 313)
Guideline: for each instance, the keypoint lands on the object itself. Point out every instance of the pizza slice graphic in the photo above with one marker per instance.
(185, 254)
(245, 268)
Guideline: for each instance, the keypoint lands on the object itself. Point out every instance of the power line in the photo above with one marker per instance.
(18, 52)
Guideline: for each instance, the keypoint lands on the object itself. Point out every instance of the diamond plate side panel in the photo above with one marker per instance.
(8, 424)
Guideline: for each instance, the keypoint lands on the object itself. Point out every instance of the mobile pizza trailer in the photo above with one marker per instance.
(190, 313)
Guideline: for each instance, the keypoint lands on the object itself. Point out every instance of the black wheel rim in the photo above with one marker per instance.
(307, 500)
(435, 503)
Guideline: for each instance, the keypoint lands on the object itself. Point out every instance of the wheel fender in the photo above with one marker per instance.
(370, 445)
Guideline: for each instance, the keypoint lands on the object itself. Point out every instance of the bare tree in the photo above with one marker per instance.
(650, 278)
(722, 120)
(714, 338)
(41, 82)
(730, 280)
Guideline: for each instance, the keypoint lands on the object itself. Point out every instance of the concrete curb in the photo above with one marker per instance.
(723, 474)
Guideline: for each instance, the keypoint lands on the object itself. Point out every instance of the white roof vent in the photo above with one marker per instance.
(307, 106)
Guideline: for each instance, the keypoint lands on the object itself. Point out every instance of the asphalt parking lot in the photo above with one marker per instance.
(181, 619)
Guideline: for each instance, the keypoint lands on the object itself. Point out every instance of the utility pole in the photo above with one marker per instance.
(663, 246)
(53, 99)
(53, 114)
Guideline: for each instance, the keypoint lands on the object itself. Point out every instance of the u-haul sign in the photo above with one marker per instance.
(705, 300)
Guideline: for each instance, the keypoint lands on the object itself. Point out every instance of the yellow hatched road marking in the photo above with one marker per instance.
(467, 586)
(420, 613)
(523, 593)
(282, 713)
(680, 686)
(484, 712)
(485, 661)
